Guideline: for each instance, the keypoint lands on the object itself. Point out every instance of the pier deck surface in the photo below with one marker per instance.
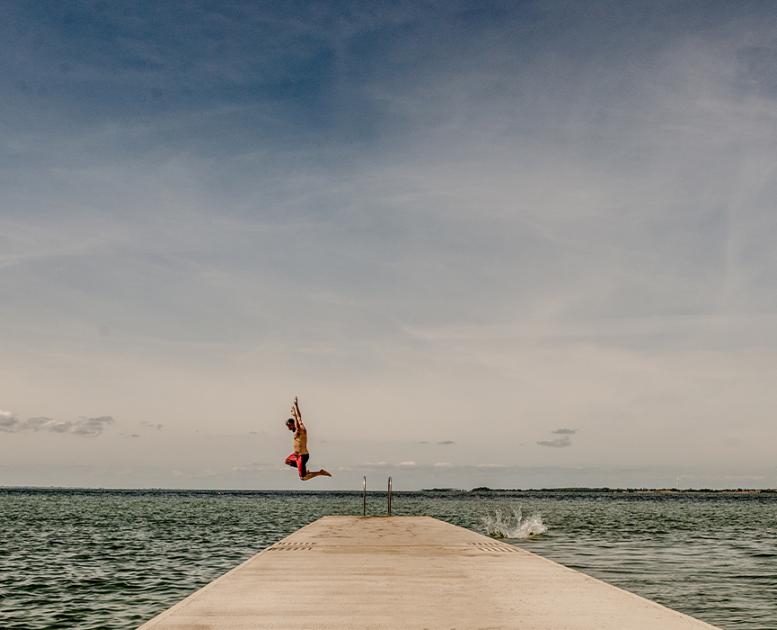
(344, 572)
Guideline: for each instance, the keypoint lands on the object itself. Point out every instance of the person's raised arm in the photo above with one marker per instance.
(297, 415)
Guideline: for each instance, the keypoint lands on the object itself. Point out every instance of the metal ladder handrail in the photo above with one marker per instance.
(390, 495)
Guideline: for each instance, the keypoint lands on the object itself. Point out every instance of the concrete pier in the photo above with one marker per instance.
(344, 572)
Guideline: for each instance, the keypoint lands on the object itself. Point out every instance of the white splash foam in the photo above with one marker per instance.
(511, 524)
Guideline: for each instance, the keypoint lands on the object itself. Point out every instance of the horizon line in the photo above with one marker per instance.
(478, 489)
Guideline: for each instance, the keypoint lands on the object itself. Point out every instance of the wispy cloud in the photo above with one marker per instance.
(84, 427)
(8, 421)
(561, 442)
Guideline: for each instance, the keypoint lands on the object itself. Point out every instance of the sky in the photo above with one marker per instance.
(513, 244)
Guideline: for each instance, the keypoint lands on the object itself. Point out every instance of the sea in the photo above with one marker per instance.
(114, 558)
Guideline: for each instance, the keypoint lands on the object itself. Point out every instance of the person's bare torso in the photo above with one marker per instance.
(301, 441)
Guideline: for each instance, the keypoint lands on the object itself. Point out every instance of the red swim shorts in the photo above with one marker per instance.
(299, 462)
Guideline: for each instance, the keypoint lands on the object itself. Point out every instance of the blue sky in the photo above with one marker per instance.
(471, 223)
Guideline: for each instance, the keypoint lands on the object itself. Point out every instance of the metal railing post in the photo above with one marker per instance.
(364, 495)
(390, 492)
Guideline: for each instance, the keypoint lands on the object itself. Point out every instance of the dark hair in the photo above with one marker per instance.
(290, 421)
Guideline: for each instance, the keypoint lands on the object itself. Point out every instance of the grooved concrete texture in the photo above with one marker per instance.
(344, 572)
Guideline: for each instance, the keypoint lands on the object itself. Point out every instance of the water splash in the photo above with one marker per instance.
(511, 524)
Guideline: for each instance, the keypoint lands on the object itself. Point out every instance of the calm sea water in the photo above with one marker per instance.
(102, 559)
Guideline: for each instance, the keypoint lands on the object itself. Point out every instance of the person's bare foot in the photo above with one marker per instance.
(326, 473)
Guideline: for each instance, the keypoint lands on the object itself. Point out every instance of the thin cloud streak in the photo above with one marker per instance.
(84, 427)
(561, 442)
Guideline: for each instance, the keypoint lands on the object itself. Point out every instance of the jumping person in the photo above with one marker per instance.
(299, 458)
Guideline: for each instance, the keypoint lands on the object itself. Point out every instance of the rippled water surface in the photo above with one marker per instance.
(102, 559)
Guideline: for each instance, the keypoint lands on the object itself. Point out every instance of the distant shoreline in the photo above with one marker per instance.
(486, 490)
(482, 490)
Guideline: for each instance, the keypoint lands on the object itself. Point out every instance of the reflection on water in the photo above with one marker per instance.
(99, 559)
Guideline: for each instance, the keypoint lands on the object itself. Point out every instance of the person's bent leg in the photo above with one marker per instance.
(302, 460)
(317, 473)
